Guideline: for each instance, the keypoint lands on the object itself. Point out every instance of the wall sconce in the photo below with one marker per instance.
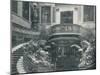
(57, 9)
(76, 8)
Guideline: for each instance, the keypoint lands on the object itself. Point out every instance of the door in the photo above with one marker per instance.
(66, 17)
(46, 14)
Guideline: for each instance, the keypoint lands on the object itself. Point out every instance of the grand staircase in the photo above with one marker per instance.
(14, 58)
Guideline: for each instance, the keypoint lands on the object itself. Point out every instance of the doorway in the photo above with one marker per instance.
(66, 17)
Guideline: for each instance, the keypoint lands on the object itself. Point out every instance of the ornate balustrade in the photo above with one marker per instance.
(65, 28)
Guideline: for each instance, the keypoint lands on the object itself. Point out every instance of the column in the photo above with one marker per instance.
(20, 5)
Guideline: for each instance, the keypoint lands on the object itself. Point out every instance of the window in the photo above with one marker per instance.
(26, 10)
(46, 14)
(89, 13)
(14, 5)
(67, 17)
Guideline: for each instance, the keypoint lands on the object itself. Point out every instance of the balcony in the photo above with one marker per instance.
(65, 32)
(65, 29)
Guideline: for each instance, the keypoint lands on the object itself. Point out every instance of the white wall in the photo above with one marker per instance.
(88, 24)
(77, 15)
(67, 8)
